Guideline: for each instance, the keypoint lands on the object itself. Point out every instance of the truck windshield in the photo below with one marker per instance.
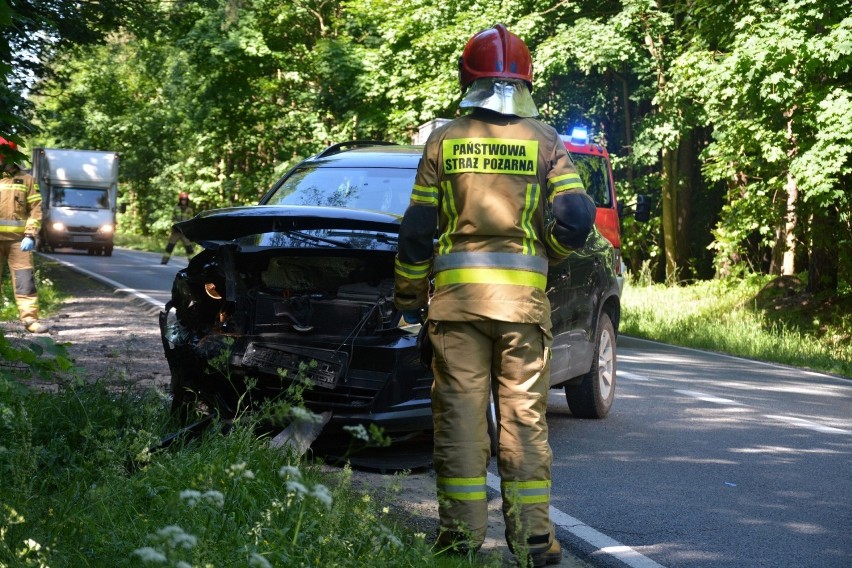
(84, 198)
(594, 172)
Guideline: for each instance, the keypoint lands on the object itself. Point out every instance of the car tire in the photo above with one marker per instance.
(593, 397)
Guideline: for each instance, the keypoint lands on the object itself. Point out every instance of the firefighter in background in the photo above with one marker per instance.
(485, 181)
(20, 221)
(181, 212)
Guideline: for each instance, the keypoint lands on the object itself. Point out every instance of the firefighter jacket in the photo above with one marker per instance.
(488, 183)
(20, 205)
(182, 213)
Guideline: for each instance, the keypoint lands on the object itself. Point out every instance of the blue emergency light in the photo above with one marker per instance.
(579, 135)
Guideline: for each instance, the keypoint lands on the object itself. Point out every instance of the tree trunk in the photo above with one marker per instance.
(791, 221)
(670, 213)
(788, 267)
(686, 167)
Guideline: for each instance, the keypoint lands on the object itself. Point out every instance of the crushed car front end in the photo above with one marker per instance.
(287, 300)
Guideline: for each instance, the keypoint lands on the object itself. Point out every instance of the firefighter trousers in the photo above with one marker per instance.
(473, 359)
(174, 238)
(23, 280)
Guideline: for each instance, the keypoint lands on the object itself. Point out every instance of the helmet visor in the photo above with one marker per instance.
(506, 96)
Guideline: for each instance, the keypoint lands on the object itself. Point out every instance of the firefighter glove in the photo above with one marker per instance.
(27, 244)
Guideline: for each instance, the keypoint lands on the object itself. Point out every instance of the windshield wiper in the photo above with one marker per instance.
(381, 237)
(313, 238)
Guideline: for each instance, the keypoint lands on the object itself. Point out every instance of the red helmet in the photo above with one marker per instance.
(183, 195)
(9, 143)
(495, 52)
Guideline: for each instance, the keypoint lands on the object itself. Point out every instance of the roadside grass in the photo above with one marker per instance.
(144, 243)
(149, 244)
(49, 297)
(81, 487)
(768, 319)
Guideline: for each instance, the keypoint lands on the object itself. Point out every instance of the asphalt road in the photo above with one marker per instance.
(705, 461)
(134, 272)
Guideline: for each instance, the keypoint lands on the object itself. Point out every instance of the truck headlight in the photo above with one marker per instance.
(58, 226)
(105, 229)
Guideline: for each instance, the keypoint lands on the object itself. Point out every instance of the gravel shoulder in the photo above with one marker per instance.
(115, 337)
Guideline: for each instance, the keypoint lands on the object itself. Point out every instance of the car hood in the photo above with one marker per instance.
(235, 222)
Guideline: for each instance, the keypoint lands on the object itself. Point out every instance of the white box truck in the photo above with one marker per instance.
(79, 192)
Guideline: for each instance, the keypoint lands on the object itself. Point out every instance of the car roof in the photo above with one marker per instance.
(380, 155)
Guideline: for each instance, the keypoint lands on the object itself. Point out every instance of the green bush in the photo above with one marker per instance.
(751, 317)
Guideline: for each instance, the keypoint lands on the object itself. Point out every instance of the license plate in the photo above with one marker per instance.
(83, 239)
(322, 368)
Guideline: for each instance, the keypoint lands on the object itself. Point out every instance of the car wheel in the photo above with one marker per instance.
(593, 397)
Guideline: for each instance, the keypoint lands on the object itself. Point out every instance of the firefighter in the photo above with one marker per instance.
(20, 221)
(486, 181)
(181, 212)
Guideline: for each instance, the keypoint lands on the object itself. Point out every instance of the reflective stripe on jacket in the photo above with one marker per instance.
(20, 205)
(485, 181)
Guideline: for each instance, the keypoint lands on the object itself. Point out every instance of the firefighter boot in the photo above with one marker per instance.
(539, 557)
(166, 255)
(552, 555)
(35, 326)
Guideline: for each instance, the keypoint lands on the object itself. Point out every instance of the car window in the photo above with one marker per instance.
(376, 189)
(594, 172)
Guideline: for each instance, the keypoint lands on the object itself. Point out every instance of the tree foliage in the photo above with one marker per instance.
(734, 116)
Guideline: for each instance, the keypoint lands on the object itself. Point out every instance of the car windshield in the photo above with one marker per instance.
(84, 198)
(594, 172)
(375, 189)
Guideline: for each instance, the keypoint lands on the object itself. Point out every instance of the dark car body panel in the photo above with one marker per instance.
(290, 293)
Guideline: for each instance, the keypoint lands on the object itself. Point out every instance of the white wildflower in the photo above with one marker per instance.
(191, 496)
(258, 561)
(240, 470)
(148, 554)
(215, 498)
(290, 471)
(358, 432)
(296, 487)
(322, 494)
(177, 537)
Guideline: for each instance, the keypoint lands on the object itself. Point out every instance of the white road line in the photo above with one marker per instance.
(603, 543)
(632, 376)
(709, 398)
(736, 358)
(119, 287)
(802, 423)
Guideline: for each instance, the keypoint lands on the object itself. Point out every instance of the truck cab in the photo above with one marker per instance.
(79, 190)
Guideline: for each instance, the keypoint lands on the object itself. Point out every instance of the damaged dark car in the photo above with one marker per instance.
(299, 289)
